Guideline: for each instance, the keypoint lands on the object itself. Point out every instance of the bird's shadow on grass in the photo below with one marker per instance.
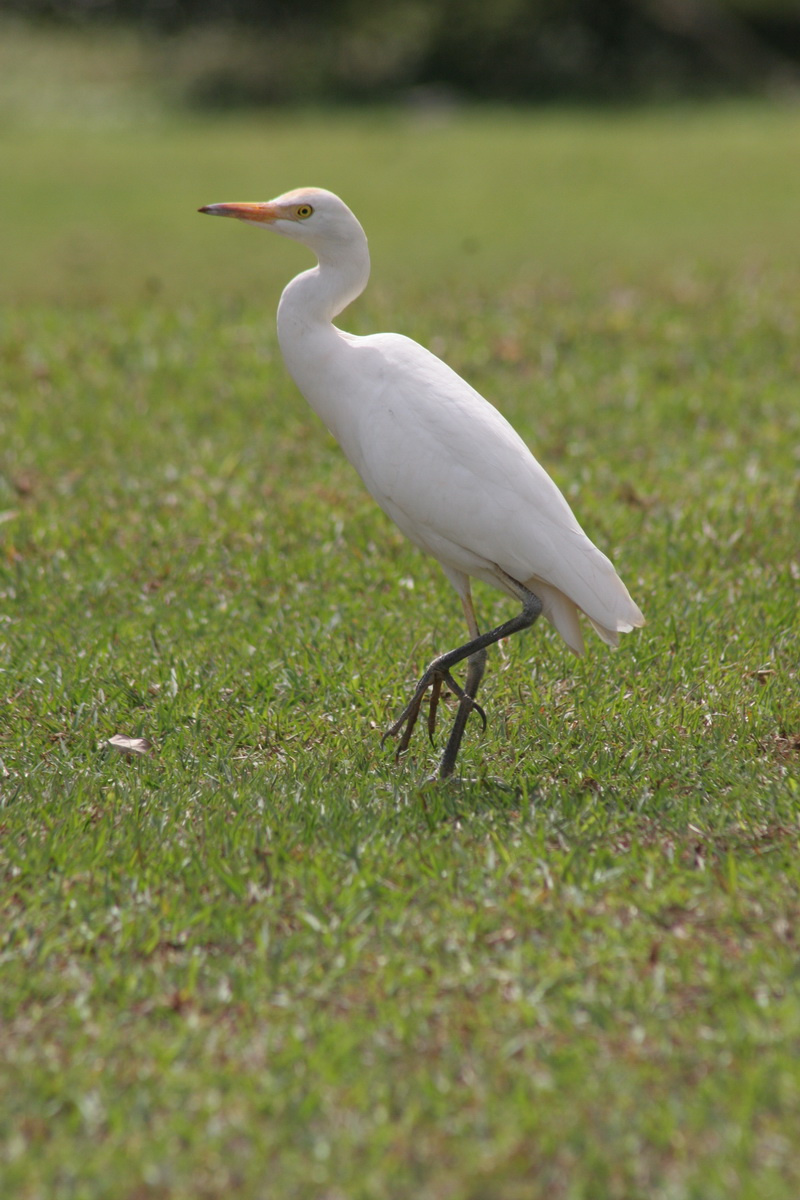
(460, 798)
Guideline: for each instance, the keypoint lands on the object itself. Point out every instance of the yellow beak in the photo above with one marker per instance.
(265, 212)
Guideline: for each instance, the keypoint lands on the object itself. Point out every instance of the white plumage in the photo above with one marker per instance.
(440, 460)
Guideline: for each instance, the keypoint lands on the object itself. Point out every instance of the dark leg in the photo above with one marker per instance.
(476, 665)
(438, 672)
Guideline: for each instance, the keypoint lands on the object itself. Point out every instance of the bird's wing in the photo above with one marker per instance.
(460, 482)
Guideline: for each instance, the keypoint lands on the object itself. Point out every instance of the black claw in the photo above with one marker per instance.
(477, 708)
(434, 678)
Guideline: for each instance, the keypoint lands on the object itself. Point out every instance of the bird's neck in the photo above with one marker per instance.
(314, 298)
(312, 347)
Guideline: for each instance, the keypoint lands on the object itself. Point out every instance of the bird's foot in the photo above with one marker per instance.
(434, 678)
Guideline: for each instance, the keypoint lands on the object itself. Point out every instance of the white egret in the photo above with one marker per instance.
(439, 459)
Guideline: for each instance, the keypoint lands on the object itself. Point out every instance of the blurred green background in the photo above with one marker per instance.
(491, 196)
(117, 120)
(272, 51)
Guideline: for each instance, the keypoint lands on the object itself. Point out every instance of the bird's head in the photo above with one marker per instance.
(313, 216)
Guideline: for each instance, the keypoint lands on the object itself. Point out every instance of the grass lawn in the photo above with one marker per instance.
(265, 960)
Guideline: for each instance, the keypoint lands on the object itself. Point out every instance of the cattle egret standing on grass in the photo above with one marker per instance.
(439, 459)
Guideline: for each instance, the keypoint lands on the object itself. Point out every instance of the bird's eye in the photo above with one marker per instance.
(302, 211)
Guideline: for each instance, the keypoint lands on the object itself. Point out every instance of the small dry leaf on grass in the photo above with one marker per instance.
(128, 745)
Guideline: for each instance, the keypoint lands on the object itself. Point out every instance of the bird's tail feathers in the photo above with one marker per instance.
(562, 613)
(609, 636)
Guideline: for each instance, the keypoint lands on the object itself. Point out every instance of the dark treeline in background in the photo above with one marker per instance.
(272, 51)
